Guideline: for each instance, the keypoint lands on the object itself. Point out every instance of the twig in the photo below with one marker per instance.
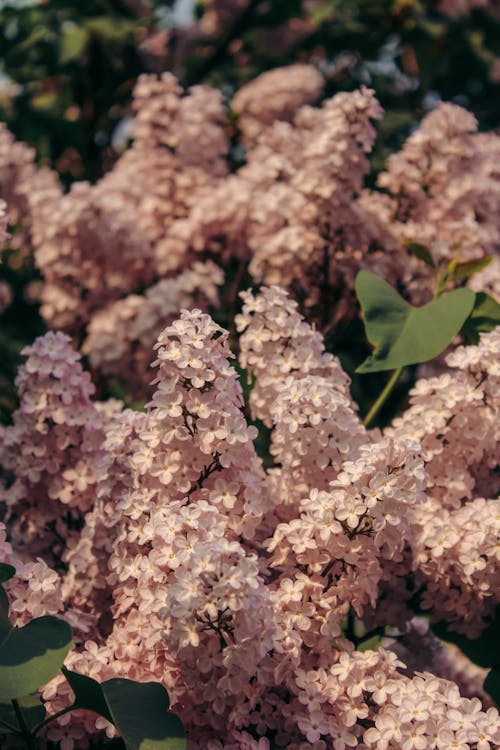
(223, 43)
(383, 397)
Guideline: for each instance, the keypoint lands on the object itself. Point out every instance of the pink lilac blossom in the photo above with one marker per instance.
(6, 295)
(306, 226)
(31, 193)
(87, 555)
(98, 243)
(456, 557)
(429, 712)
(456, 8)
(296, 212)
(182, 494)
(34, 591)
(4, 223)
(51, 454)
(455, 546)
(120, 337)
(300, 390)
(216, 227)
(488, 280)
(199, 399)
(174, 554)
(455, 418)
(274, 95)
(218, 14)
(186, 565)
(422, 651)
(292, 212)
(340, 537)
(442, 190)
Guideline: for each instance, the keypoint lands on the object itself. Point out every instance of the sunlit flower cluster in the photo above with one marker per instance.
(295, 213)
(244, 590)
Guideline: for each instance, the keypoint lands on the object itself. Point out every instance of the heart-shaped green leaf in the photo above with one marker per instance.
(485, 316)
(405, 335)
(31, 656)
(139, 711)
(32, 709)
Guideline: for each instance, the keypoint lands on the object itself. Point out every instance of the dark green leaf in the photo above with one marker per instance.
(5, 625)
(484, 650)
(405, 335)
(4, 606)
(32, 708)
(466, 269)
(492, 684)
(88, 693)
(6, 572)
(31, 656)
(420, 251)
(139, 711)
(485, 316)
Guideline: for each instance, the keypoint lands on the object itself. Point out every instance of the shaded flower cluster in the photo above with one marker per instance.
(120, 337)
(4, 221)
(51, 454)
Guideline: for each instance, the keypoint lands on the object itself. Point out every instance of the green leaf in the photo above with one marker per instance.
(420, 251)
(372, 644)
(139, 711)
(32, 708)
(464, 270)
(492, 684)
(4, 609)
(405, 335)
(110, 29)
(484, 650)
(5, 625)
(72, 44)
(485, 316)
(31, 656)
(6, 572)
(88, 693)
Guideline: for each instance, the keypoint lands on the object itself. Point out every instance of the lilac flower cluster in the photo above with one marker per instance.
(179, 558)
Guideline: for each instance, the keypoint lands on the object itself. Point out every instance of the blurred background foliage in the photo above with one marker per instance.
(67, 70)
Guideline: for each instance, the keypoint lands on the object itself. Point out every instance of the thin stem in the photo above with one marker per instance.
(232, 304)
(349, 630)
(327, 568)
(26, 734)
(441, 284)
(223, 43)
(46, 721)
(379, 630)
(10, 727)
(383, 397)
